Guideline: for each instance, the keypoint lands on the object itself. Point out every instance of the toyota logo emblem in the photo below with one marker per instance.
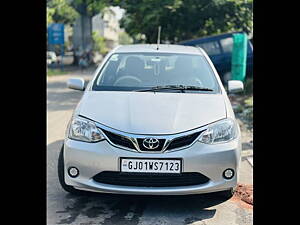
(151, 143)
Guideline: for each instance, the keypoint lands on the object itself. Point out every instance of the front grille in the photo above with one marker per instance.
(158, 149)
(176, 143)
(150, 180)
(183, 141)
(119, 140)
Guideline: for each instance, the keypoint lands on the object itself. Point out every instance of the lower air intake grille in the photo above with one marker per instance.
(150, 180)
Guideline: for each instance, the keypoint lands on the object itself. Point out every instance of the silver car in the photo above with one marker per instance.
(154, 120)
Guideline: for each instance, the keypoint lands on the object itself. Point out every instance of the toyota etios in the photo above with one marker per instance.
(154, 121)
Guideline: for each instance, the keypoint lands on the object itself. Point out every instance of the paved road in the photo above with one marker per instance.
(107, 209)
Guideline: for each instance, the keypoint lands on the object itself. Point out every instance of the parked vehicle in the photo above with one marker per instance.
(219, 49)
(155, 122)
(51, 58)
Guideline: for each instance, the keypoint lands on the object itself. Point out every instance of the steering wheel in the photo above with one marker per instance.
(127, 81)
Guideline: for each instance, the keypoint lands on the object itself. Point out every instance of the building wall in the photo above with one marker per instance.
(98, 24)
(108, 27)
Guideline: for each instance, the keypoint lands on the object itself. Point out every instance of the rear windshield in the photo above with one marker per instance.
(133, 71)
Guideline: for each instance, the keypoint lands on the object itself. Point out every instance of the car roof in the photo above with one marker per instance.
(163, 48)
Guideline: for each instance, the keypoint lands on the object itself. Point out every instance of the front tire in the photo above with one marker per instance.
(61, 174)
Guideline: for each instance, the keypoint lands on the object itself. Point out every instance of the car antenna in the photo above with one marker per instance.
(158, 37)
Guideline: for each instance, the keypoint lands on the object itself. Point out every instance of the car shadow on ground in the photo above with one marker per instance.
(127, 209)
(122, 209)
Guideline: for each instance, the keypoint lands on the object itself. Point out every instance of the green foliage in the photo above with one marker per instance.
(125, 39)
(54, 72)
(99, 43)
(60, 11)
(184, 19)
(249, 101)
(248, 86)
(50, 12)
(66, 11)
(88, 7)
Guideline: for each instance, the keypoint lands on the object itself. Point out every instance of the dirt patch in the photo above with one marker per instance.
(241, 203)
(243, 108)
(244, 195)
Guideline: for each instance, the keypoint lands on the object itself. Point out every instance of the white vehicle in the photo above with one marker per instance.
(154, 121)
(51, 58)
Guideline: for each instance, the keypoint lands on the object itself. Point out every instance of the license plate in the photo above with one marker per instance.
(151, 165)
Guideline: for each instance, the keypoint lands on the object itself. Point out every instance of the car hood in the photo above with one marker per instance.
(152, 113)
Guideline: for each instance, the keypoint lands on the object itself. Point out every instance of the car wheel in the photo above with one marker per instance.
(61, 175)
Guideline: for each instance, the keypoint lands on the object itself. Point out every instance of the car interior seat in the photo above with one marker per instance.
(134, 66)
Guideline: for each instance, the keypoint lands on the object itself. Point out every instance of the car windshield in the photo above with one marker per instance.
(136, 71)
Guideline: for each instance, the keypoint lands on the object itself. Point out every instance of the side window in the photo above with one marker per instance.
(211, 48)
(227, 44)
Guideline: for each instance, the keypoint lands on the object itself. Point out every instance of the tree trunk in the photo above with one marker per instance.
(82, 35)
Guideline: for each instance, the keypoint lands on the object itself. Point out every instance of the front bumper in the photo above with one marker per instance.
(210, 160)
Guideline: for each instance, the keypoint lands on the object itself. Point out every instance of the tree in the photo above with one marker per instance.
(86, 9)
(67, 11)
(183, 19)
(50, 13)
(60, 11)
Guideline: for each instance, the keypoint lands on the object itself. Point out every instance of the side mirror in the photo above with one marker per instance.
(76, 84)
(235, 86)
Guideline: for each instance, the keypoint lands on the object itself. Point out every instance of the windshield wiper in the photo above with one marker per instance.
(175, 87)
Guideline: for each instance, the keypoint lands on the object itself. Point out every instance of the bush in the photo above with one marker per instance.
(125, 39)
(248, 86)
(99, 43)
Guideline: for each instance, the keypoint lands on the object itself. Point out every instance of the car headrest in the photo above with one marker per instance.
(134, 65)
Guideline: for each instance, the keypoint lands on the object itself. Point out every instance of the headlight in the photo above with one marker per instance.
(219, 132)
(84, 130)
